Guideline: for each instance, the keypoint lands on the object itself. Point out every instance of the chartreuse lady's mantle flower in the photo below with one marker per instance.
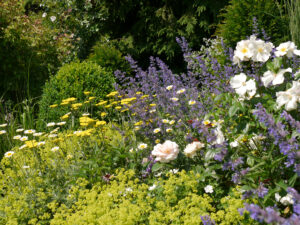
(290, 97)
(242, 86)
(165, 152)
(274, 78)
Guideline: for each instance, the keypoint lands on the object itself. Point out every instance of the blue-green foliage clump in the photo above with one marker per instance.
(71, 81)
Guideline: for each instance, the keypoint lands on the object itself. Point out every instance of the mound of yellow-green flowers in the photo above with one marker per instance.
(127, 200)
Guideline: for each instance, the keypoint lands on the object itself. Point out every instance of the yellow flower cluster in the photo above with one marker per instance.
(86, 121)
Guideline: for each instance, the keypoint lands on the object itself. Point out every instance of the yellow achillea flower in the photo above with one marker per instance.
(108, 106)
(66, 116)
(87, 102)
(76, 106)
(152, 105)
(85, 121)
(124, 110)
(101, 103)
(65, 103)
(92, 98)
(144, 96)
(103, 114)
(118, 107)
(112, 94)
(100, 123)
(138, 93)
(127, 101)
(86, 92)
(53, 106)
(114, 103)
(138, 123)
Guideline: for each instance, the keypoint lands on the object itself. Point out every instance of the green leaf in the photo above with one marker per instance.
(270, 66)
(282, 185)
(277, 63)
(250, 161)
(157, 166)
(292, 180)
(233, 109)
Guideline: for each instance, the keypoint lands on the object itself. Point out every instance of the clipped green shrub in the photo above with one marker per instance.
(128, 201)
(72, 80)
(238, 20)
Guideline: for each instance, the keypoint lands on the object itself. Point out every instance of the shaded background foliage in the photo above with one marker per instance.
(34, 47)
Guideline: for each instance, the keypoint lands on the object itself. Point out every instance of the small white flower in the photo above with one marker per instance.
(242, 51)
(61, 123)
(41, 143)
(24, 138)
(261, 50)
(165, 121)
(287, 200)
(151, 188)
(290, 97)
(209, 189)
(2, 132)
(242, 86)
(3, 125)
(44, 15)
(54, 149)
(288, 49)
(274, 78)
(174, 99)
(128, 189)
(131, 150)
(142, 146)
(85, 114)
(156, 130)
(17, 137)
(52, 135)
(26, 167)
(23, 146)
(172, 122)
(168, 130)
(169, 87)
(277, 197)
(9, 154)
(174, 171)
(31, 131)
(38, 134)
(152, 111)
(192, 102)
(50, 124)
(220, 136)
(52, 18)
(180, 91)
(19, 130)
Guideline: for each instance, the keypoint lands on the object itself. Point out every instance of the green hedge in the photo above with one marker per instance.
(72, 80)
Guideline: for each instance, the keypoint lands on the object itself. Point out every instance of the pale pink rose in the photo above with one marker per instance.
(191, 149)
(165, 152)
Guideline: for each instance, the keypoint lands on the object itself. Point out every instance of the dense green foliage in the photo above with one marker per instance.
(71, 81)
(293, 7)
(238, 20)
(105, 54)
(28, 51)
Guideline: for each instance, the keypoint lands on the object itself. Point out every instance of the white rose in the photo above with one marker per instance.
(191, 149)
(166, 152)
